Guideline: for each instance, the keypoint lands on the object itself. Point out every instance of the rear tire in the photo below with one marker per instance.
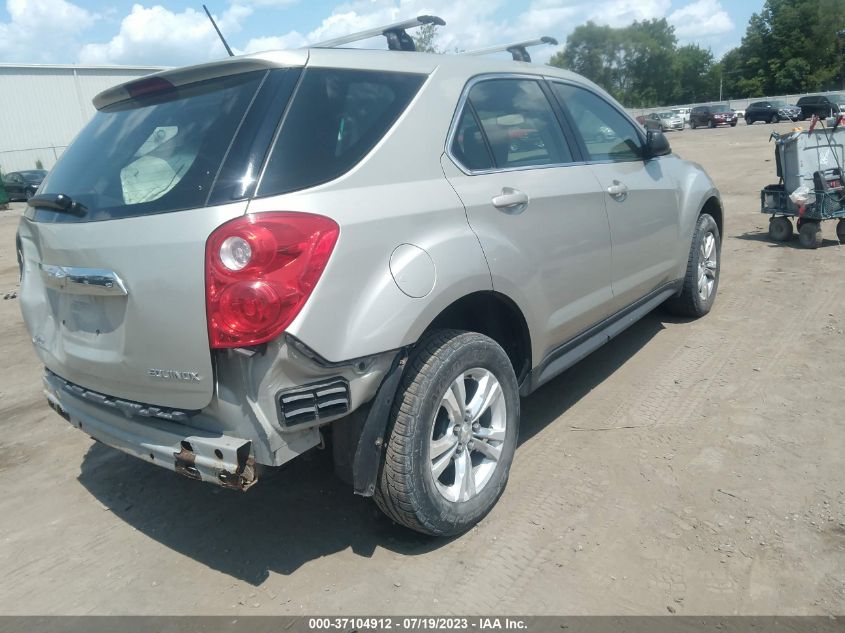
(449, 493)
(840, 231)
(810, 234)
(780, 229)
(775, 119)
(748, 121)
(703, 265)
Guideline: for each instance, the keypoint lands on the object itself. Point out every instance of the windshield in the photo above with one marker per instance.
(667, 115)
(720, 108)
(836, 98)
(156, 153)
(778, 103)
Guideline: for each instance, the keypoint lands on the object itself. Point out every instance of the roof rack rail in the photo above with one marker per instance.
(397, 38)
(518, 49)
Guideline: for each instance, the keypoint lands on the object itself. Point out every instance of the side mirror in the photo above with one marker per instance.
(657, 144)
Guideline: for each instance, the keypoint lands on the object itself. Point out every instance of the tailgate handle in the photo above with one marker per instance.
(84, 281)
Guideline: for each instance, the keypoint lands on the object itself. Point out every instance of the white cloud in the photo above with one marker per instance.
(702, 18)
(41, 30)
(154, 34)
(159, 36)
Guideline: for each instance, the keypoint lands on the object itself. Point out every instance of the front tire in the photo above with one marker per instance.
(455, 426)
(840, 231)
(702, 277)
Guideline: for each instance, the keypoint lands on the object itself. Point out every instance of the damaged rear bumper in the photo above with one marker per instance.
(195, 453)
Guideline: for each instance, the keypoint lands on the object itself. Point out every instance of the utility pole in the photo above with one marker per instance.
(720, 84)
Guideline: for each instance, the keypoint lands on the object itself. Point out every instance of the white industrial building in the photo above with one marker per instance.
(42, 108)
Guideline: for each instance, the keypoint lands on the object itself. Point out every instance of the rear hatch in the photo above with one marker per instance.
(113, 288)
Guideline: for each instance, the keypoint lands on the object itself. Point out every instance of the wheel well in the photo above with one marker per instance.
(494, 315)
(714, 208)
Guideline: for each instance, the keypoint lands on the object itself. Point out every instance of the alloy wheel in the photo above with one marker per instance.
(467, 435)
(708, 265)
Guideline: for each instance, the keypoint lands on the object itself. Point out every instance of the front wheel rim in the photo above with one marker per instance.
(708, 266)
(468, 435)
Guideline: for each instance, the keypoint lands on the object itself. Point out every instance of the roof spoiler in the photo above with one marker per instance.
(518, 49)
(397, 38)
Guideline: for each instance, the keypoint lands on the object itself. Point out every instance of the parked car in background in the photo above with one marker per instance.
(683, 112)
(22, 185)
(821, 105)
(711, 116)
(663, 121)
(771, 111)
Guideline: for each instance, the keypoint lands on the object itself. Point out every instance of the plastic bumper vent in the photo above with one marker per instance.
(314, 403)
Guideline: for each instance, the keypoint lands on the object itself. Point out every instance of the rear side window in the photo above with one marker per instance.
(154, 154)
(519, 123)
(336, 117)
(469, 146)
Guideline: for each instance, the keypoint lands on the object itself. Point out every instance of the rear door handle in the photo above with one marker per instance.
(618, 190)
(511, 200)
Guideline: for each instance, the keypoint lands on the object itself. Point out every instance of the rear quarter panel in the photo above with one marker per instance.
(396, 195)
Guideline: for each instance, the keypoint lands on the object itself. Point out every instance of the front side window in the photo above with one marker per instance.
(606, 132)
(336, 117)
(519, 124)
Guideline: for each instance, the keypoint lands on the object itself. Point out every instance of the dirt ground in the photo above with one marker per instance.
(686, 467)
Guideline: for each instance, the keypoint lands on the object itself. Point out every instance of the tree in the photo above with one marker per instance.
(790, 46)
(634, 63)
(693, 74)
(425, 39)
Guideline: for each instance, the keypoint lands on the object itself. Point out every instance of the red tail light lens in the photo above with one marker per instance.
(260, 270)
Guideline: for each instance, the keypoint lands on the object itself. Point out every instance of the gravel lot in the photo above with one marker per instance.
(686, 467)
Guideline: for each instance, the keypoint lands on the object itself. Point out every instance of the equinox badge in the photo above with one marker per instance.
(174, 374)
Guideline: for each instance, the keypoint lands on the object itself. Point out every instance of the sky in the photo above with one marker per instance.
(177, 32)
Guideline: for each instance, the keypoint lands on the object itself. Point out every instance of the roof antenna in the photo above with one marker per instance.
(222, 39)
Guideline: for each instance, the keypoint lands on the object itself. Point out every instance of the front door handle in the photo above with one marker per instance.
(618, 190)
(511, 200)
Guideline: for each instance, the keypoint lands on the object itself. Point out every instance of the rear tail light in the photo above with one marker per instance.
(260, 270)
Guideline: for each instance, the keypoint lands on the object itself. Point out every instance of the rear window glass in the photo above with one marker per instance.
(153, 154)
(336, 117)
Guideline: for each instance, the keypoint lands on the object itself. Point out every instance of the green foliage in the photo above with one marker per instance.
(640, 64)
(425, 39)
(791, 46)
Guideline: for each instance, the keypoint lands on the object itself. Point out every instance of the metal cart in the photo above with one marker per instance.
(812, 160)
(827, 206)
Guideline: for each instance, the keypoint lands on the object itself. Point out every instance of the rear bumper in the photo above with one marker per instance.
(195, 453)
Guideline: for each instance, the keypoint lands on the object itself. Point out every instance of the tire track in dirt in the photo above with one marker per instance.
(672, 396)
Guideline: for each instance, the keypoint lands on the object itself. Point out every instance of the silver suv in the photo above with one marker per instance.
(379, 251)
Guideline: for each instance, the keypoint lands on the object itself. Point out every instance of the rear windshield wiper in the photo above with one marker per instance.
(57, 202)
